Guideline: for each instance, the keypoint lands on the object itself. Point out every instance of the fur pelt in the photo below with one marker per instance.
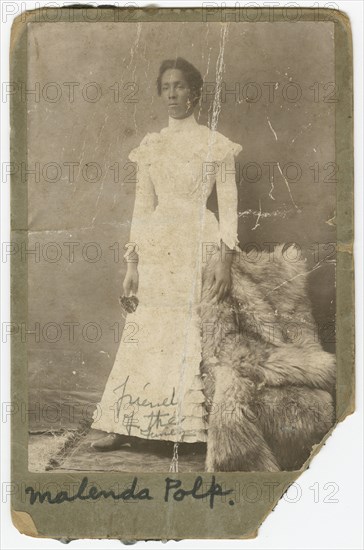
(269, 385)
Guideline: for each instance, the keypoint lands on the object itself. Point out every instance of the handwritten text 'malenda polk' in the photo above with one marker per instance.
(173, 491)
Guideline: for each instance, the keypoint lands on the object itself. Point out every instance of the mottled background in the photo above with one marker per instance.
(259, 62)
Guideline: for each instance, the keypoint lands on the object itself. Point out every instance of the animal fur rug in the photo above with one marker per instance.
(269, 385)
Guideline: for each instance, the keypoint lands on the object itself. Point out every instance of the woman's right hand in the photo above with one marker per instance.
(131, 282)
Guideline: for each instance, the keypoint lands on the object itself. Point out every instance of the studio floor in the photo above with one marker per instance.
(73, 452)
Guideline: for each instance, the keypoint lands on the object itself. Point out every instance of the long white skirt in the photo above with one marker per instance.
(155, 390)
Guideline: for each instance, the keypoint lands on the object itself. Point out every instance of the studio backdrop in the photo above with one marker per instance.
(91, 97)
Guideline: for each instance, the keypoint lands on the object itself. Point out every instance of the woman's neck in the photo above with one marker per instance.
(182, 123)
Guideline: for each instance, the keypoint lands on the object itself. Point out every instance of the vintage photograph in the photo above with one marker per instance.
(181, 245)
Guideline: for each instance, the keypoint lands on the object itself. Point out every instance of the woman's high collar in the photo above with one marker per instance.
(182, 124)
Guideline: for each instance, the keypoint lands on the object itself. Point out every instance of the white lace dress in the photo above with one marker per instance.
(154, 390)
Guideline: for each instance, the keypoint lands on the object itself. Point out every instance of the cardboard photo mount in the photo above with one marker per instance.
(159, 518)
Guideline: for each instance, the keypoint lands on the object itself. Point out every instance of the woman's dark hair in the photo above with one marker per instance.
(191, 74)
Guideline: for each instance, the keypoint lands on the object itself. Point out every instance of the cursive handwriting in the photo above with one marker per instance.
(127, 398)
(93, 493)
(173, 491)
(173, 486)
(157, 419)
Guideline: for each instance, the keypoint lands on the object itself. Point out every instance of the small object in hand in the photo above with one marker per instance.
(129, 303)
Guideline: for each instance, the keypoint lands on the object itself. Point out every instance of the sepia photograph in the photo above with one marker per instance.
(182, 245)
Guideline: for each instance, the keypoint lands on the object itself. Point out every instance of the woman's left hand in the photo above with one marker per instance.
(221, 283)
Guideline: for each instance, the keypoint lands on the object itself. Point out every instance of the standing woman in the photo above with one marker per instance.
(155, 390)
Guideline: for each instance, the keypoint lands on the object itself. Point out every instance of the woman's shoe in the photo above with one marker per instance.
(111, 442)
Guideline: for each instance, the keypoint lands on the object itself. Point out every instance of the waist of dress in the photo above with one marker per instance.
(181, 206)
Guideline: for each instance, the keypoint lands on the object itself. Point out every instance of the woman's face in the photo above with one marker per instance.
(176, 93)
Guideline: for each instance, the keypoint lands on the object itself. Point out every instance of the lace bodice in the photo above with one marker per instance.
(178, 168)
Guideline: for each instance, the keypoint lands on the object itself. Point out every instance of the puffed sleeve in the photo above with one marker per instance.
(144, 203)
(227, 197)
